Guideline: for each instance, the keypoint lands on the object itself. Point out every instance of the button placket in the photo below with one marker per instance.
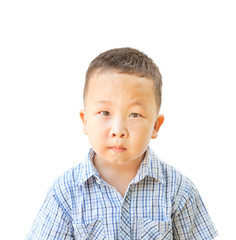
(125, 217)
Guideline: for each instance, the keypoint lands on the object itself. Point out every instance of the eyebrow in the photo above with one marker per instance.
(137, 103)
(102, 102)
(106, 102)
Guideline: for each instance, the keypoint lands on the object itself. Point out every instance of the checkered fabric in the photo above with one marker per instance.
(160, 203)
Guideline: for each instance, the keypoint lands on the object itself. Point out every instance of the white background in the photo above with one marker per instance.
(45, 49)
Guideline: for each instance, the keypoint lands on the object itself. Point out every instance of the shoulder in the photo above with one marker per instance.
(182, 190)
(65, 187)
(174, 177)
(174, 181)
(68, 179)
(188, 212)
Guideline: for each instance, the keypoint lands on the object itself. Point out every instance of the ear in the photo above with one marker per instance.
(83, 118)
(157, 125)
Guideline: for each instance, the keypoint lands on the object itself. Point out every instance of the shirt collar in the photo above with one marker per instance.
(150, 167)
(87, 169)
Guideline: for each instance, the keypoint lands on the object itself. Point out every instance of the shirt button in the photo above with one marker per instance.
(99, 181)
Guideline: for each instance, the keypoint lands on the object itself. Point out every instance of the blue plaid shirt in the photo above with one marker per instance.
(160, 203)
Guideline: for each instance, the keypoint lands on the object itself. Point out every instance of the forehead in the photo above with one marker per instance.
(115, 84)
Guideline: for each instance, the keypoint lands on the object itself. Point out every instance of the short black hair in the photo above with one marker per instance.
(130, 61)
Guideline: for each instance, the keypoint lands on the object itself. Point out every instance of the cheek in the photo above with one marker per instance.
(143, 129)
(142, 134)
(96, 124)
(97, 131)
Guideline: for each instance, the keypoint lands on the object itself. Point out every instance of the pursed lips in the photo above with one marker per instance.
(117, 149)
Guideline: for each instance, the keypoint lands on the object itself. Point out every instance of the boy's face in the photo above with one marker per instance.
(120, 116)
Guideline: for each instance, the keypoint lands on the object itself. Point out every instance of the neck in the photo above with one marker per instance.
(104, 165)
(118, 175)
(109, 170)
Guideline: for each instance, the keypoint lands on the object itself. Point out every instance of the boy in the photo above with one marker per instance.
(122, 190)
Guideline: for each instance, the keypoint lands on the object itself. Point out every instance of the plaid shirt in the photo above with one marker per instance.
(160, 203)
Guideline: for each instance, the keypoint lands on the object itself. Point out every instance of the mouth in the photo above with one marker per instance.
(117, 149)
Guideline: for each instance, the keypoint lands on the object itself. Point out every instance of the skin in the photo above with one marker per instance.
(120, 118)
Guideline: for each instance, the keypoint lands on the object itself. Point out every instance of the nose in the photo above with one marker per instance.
(118, 129)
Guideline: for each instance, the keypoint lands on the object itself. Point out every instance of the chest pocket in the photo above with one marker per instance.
(155, 230)
(93, 230)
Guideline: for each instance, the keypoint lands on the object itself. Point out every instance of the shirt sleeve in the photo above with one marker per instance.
(52, 221)
(191, 220)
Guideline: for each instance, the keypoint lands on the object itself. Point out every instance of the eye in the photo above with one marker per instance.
(135, 115)
(104, 113)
